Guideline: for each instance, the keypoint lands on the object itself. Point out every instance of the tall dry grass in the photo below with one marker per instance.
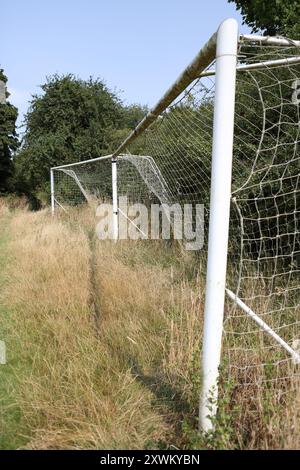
(83, 383)
(109, 339)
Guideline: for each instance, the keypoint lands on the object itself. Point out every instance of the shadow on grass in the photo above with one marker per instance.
(168, 395)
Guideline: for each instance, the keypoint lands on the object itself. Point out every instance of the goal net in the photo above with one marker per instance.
(261, 325)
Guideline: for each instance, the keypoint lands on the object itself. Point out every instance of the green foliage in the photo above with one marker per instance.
(8, 140)
(132, 115)
(272, 17)
(70, 121)
(130, 118)
(73, 120)
(222, 435)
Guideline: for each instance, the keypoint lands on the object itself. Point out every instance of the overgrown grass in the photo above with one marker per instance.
(11, 433)
(106, 340)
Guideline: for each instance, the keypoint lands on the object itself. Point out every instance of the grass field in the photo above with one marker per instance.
(11, 432)
(103, 344)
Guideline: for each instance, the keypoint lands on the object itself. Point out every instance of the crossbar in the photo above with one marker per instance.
(269, 40)
(61, 167)
(257, 66)
(202, 60)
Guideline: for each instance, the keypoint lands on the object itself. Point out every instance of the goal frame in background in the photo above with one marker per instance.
(222, 48)
(64, 169)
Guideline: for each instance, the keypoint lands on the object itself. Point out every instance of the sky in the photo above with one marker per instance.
(138, 47)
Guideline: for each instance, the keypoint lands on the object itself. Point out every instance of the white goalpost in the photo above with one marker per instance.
(225, 134)
(223, 124)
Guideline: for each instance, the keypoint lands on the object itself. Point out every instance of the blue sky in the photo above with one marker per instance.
(137, 47)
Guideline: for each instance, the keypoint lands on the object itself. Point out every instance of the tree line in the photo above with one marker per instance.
(72, 120)
(75, 120)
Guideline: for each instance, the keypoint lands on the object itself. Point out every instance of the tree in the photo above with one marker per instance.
(271, 17)
(73, 120)
(130, 117)
(133, 114)
(8, 140)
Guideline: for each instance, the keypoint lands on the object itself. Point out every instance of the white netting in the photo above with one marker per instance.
(138, 178)
(264, 244)
(265, 225)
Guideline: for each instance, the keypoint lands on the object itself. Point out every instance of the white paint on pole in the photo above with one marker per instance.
(115, 199)
(52, 191)
(226, 61)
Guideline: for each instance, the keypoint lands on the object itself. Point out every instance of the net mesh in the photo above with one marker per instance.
(264, 243)
(138, 179)
(265, 228)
